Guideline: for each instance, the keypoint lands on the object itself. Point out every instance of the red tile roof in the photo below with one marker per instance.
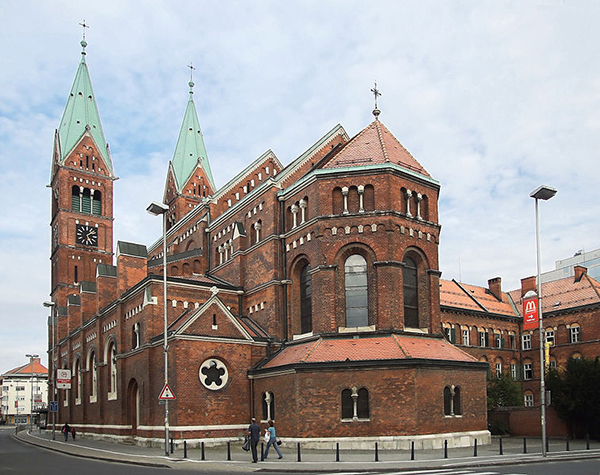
(474, 298)
(25, 370)
(369, 348)
(375, 145)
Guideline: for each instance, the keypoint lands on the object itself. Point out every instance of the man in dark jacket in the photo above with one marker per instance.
(254, 434)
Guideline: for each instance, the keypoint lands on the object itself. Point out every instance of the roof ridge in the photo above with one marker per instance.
(395, 337)
(381, 142)
(470, 296)
(311, 350)
(589, 280)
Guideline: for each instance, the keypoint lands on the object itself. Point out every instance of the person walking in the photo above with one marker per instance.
(272, 440)
(254, 434)
(65, 430)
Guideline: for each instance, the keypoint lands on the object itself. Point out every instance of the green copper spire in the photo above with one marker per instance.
(81, 115)
(190, 149)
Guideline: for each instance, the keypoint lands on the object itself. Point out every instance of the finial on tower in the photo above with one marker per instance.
(191, 83)
(376, 93)
(83, 42)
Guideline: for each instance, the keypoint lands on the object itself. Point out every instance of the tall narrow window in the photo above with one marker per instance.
(305, 300)
(357, 303)
(76, 275)
(268, 406)
(86, 201)
(112, 364)
(97, 203)
(347, 406)
(75, 199)
(410, 289)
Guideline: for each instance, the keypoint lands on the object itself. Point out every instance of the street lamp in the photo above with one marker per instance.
(31, 357)
(541, 193)
(157, 209)
(52, 306)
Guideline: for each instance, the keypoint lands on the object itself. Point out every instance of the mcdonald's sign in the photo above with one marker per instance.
(530, 313)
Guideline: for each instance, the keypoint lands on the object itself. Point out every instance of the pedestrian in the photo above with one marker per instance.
(254, 434)
(65, 430)
(272, 440)
(73, 432)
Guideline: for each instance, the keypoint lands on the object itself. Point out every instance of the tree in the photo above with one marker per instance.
(503, 391)
(575, 393)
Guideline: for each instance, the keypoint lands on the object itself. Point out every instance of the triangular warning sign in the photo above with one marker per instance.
(166, 392)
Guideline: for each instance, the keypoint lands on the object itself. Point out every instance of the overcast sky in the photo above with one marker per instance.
(493, 98)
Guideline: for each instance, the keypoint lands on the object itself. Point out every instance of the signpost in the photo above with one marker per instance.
(166, 394)
(63, 379)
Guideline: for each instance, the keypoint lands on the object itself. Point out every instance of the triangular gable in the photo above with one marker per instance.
(200, 322)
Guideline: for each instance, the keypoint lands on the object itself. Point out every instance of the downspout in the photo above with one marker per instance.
(284, 269)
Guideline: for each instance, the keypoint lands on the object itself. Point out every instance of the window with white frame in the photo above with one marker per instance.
(528, 371)
(575, 334)
(526, 338)
(465, 336)
(528, 399)
(498, 340)
(549, 337)
(514, 371)
(498, 369)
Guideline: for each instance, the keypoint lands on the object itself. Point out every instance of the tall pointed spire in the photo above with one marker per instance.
(81, 114)
(190, 150)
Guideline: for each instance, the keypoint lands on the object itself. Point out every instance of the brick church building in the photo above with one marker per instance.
(307, 293)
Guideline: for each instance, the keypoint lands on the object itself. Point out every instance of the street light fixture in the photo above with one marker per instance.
(157, 209)
(52, 306)
(31, 357)
(541, 193)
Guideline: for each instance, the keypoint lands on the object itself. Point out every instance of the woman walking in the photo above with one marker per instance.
(272, 440)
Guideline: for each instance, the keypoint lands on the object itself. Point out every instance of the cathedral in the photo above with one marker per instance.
(307, 293)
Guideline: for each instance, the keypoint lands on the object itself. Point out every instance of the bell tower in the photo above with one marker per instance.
(81, 180)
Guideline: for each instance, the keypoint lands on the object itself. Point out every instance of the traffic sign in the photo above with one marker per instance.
(166, 393)
(53, 406)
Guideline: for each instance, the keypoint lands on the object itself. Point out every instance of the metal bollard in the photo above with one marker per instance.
(547, 444)
(337, 452)
(501, 452)
(524, 445)
(202, 447)
(262, 451)
(475, 448)
(228, 450)
(172, 445)
(567, 444)
(376, 452)
(587, 441)
(185, 449)
(299, 455)
(412, 450)
(445, 449)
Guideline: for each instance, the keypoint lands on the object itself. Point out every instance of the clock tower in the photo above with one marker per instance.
(81, 180)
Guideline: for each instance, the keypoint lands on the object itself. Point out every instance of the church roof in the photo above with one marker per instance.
(190, 149)
(369, 348)
(81, 115)
(375, 145)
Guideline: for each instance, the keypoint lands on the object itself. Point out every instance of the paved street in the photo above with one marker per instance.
(27, 455)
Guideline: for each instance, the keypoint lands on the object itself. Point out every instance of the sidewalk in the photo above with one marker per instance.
(216, 458)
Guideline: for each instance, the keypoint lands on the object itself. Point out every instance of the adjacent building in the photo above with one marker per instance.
(23, 392)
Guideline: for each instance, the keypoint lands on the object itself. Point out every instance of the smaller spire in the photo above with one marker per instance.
(191, 83)
(376, 93)
(83, 42)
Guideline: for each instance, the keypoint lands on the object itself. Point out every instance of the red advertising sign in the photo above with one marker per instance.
(530, 313)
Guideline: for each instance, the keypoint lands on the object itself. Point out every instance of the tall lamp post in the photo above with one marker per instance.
(52, 306)
(541, 193)
(31, 357)
(157, 209)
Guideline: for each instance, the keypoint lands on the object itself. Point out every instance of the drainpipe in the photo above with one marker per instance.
(283, 269)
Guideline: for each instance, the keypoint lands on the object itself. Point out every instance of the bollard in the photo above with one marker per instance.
(445, 449)
(524, 445)
(185, 449)
(262, 451)
(299, 455)
(412, 450)
(172, 445)
(587, 441)
(501, 451)
(376, 452)
(475, 449)
(567, 444)
(337, 452)
(228, 451)
(202, 447)
(547, 444)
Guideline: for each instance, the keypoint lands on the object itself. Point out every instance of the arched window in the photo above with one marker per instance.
(78, 381)
(97, 203)
(355, 404)
(369, 200)
(197, 267)
(356, 286)
(268, 406)
(452, 401)
(93, 369)
(75, 199)
(187, 270)
(447, 401)
(86, 201)
(305, 300)
(410, 293)
(112, 368)
(337, 201)
(135, 336)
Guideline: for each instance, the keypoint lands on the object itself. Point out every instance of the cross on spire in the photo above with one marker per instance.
(191, 83)
(84, 26)
(376, 93)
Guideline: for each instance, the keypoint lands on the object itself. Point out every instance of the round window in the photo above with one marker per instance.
(213, 374)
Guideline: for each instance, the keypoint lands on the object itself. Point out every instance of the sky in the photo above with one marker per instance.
(493, 98)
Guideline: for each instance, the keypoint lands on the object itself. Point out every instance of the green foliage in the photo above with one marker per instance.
(575, 394)
(503, 391)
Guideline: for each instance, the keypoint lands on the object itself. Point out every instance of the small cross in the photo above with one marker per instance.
(84, 27)
(376, 93)
(192, 69)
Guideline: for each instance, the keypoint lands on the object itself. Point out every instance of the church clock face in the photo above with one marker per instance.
(87, 235)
